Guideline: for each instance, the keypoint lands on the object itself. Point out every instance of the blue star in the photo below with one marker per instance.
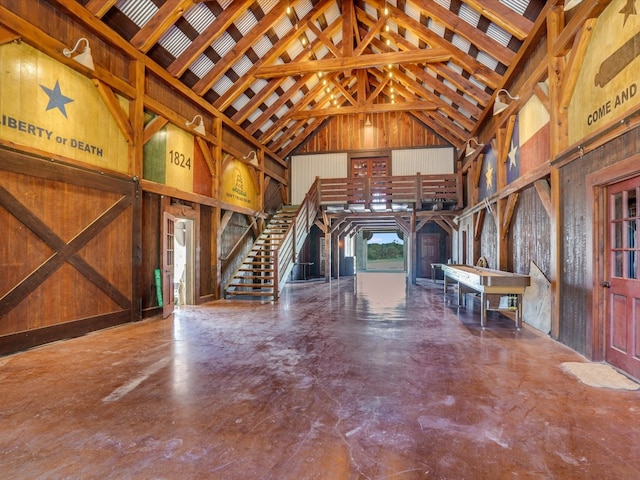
(56, 98)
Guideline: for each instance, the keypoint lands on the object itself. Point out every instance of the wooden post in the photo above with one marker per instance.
(216, 235)
(413, 251)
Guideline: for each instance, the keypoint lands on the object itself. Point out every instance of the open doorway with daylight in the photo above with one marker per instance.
(385, 251)
(183, 267)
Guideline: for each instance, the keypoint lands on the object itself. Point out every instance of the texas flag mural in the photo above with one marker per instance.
(51, 108)
(529, 146)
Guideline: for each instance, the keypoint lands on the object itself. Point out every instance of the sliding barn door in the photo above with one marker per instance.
(67, 251)
(623, 284)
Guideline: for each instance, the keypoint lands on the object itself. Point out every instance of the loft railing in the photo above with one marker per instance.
(416, 189)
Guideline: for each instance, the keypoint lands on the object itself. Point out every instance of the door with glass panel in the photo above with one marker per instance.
(622, 335)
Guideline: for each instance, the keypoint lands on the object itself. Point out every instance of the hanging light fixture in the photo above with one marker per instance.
(84, 58)
(367, 122)
(199, 128)
(470, 150)
(499, 106)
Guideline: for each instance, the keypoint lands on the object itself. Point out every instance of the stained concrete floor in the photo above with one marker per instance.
(364, 379)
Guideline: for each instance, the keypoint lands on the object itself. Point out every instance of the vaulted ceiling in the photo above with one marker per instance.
(280, 69)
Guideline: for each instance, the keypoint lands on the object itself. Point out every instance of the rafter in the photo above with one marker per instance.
(374, 108)
(363, 61)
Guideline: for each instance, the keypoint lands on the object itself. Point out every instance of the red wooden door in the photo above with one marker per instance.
(622, 347)
(168, 261)
(429, 253)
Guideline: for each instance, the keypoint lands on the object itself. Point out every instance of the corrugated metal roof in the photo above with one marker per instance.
(405, 20)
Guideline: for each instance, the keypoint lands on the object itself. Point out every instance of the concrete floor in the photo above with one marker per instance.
(347, 380)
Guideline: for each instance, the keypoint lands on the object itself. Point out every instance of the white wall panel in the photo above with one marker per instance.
(427, 161)
(305, 169)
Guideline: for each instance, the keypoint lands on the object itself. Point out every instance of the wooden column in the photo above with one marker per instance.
(216, 235)
(327, 247)
(412, 249)
(558, 141)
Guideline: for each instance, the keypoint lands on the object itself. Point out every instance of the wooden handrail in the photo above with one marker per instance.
(285, 254)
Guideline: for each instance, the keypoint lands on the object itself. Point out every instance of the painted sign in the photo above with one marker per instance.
(607, 86)
(49, 107)
(171, 157)
(240, 185)
(489, 174)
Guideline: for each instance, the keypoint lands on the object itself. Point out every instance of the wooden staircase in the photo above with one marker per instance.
(256, 277)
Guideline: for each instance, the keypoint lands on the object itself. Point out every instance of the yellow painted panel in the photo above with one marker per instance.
(50, 107)
(607, 86)
(179, 159)
(239, 185)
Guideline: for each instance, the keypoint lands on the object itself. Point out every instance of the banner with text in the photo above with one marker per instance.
(169, 158)
(49, 107)
(608, 82)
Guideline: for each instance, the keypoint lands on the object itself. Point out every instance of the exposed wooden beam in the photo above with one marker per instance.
(239, 49)
(100, 7)
(166, 16)
(374, 108)
(363, 61)
(7, 35)
(576, 59)
(503, 16)
(206, 38)
(118, 114)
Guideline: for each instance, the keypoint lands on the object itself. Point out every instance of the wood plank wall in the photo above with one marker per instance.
(529, 239)
(573, 301)
(345, 133)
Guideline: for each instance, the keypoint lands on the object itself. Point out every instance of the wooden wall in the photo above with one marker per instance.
(529, 239)
(489, 241)
(69, 255)
(345, 133)
(574, 304)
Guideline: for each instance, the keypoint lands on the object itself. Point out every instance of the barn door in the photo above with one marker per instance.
(69, 251)
(622, 297)
(168, 261)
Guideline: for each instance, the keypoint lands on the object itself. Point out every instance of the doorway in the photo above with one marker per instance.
(622, 276)
(183, 267)
(385, 251)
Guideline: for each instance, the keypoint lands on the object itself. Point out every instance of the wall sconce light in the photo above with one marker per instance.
(252, 157)
(367, 122)
(470, 150)
(83, 58)
(199, 128)
(500, 106)
(569, 4)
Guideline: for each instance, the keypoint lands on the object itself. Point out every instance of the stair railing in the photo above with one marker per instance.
(286, 254)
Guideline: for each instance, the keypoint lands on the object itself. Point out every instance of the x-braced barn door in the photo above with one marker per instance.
(70, 245)
(622, 336)
(168, 261)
